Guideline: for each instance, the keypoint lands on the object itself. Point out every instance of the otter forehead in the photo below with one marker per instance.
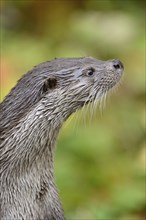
(63, 67)
(65, 63)
(59, 68)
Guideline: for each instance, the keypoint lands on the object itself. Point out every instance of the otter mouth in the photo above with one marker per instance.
(99, 96)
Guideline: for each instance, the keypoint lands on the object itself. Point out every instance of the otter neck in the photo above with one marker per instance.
(38, 131)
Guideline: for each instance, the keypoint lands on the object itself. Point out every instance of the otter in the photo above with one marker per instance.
(31, 117)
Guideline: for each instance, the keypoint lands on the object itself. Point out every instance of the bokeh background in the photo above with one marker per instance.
(99, 162)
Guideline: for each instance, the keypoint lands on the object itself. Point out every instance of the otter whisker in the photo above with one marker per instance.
(92, 106)
(104, 99)
(79, 114)
(84, 111)
(101, 103)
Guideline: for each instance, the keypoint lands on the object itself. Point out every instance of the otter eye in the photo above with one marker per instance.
(49, 84)
(90, 72)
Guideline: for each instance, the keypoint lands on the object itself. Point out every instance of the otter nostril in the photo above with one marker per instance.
(117, 64)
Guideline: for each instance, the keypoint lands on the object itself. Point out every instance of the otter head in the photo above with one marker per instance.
(72, 83)
(61, 86)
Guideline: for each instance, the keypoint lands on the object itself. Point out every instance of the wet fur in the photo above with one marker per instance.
(31, 117)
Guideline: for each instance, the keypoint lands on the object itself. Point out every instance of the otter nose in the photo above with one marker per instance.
(117, 64)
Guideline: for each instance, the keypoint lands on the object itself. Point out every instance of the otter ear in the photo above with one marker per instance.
(50, 83)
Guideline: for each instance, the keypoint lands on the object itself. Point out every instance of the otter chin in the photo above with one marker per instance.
(31, 117)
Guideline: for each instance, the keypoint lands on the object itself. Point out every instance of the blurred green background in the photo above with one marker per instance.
(99, 162)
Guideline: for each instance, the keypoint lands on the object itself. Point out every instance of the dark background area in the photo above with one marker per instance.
(99, 161)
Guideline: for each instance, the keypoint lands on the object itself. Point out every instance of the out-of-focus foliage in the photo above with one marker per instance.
(99, 161)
